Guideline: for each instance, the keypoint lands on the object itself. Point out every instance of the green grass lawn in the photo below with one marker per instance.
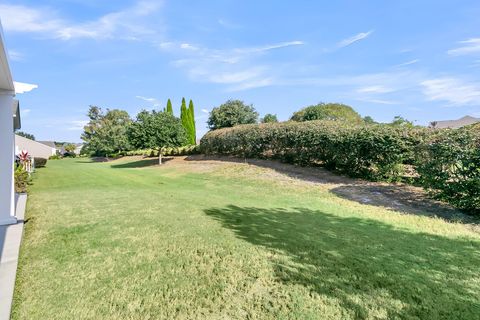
(124, 240)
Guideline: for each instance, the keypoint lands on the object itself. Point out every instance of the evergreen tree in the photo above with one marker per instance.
(169, 107)
(185, 117)
(193, 135)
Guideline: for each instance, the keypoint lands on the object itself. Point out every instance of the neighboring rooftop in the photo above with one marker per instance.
(49, 143)
(455, 124)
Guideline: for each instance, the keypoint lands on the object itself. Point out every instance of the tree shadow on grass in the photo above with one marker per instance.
(368, 266)
(400, 197)
(140, 163)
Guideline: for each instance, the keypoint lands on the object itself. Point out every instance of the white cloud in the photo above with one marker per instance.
(20, 18)
(355, 38)
(21, 87)
(153, 101)
(205, 111)
(470, 46)
(233, 67)
(452, 90)
(251, 84)
(126, 24)
(408, 63)
(15, 55)
(25, 112)
(188, 46)
(275, 46)
(374, 89)
(77, 125)
(379, 101)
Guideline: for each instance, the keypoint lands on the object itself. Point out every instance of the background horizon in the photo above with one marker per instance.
(417, 60)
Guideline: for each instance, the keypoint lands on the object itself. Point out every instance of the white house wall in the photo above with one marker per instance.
(34, 148)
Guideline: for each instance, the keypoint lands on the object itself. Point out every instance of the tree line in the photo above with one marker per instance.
(112, 131)
(236, 112)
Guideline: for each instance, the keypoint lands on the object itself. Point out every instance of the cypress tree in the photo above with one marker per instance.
(169, 107)
(184, 116)
(193, 136)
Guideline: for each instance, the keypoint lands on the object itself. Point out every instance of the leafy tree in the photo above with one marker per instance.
(70, 147)
(26, 135)
(327, 111)
(369, 120)
(193, 132)
(268, 118)
(399, 121)
(156, 130)
(169, 108)
(106, 133)
(232, 113)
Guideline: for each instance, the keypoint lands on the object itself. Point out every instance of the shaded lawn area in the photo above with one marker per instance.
(125, 241)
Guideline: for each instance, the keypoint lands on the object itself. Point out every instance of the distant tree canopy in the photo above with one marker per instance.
(70, 147)
(157, 130)
(25, 135)
(268, 118)
(369, 120)
(106, 133)
(232, 113)
(327, 111)
(399, 121)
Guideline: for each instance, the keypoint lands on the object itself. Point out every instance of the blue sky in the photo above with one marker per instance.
(418, 59)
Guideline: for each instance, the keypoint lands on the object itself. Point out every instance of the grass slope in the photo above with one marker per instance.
(122, 241)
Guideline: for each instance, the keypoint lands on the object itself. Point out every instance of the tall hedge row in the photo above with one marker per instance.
(446, 160)
(449, 167)
(374, 152)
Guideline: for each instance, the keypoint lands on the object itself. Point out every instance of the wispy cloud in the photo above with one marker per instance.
(353, 39)
(228, 24)
(124, 24)
(237, 67)
(153, 101)
(15, 55)
(379, 101)
(375, 89)
(25, 112)
(21, 87)
(408, 63)
(454, 91)
(77, 125)
(470, 46)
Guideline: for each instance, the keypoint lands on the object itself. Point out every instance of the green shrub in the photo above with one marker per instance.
(39, 162)
(54, 157)
(69, 155)
(22, 179)
(449, 167)
(375, 152)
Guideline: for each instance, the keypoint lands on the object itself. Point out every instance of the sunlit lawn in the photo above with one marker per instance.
(124, 240)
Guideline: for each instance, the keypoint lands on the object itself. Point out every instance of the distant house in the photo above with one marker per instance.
(78, 148)
(454, 124)
(48, 143)
(34, 148)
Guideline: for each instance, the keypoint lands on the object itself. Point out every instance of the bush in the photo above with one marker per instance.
(449, 167)
(39, 162)
(54, 157)
(69, 155)
(376, 152)
(22, 179)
